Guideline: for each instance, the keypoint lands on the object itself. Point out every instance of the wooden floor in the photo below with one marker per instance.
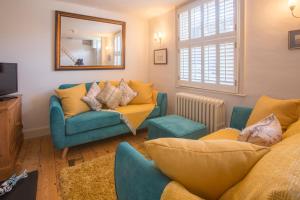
(39, 154)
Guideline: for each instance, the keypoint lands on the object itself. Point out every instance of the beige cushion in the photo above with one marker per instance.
(205, 168)
(110, 95)
(266, 132)
(127, 93)
(90, 98)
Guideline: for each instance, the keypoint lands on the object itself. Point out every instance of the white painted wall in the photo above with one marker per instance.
(27, 37)
(270, 68)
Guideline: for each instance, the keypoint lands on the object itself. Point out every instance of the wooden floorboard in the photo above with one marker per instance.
(39, 154)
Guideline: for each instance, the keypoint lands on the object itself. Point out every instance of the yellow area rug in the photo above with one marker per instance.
(92, 180)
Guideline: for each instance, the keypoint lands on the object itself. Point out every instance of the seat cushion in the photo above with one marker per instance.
(176, 127)
(90, 121)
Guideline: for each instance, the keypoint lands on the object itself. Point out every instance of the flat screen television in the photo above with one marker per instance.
(8, 78)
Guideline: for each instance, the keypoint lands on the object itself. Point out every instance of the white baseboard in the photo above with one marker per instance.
(36, 132)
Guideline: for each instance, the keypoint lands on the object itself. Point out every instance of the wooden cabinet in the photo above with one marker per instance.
(11, 136)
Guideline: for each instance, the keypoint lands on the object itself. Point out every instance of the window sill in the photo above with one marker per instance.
(210, 91)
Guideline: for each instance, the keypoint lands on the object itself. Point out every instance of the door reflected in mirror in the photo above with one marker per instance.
(85, 42)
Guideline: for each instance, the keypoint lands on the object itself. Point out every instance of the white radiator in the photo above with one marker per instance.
(206, 110)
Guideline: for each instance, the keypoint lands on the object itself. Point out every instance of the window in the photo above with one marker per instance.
(118, 50)
(207, 45)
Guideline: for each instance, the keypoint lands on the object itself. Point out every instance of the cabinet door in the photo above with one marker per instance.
(12, 134)
(4, 139)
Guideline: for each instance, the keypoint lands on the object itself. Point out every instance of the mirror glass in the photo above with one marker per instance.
(86, 43)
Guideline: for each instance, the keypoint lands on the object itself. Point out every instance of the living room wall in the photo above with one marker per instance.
(269, 67)
(27, 37)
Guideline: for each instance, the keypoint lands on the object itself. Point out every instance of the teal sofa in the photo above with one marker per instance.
(91, 126)
(137, 178)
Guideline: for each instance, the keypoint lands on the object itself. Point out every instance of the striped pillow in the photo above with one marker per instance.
(110, 95)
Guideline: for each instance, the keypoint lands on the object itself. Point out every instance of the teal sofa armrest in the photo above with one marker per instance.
(162, 102)
(239, 117)
(135, 177)
(57, 122)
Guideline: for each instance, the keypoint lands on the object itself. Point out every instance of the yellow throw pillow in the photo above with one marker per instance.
(154, 96)
(287, 111)
(292, 130)
(223, 134)
(71, 100)
(205, 168)
(144, 91)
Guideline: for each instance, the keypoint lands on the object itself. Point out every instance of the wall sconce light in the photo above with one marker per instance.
(292, 5)
(158, 36)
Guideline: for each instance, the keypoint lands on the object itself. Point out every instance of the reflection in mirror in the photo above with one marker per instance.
(87, 43)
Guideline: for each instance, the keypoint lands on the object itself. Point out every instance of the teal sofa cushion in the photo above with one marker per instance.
(176, 127)
(91, 120)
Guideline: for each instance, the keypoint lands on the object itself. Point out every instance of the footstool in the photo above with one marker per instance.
(176, 127)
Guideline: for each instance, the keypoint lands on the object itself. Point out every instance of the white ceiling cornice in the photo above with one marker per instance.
(143, 8)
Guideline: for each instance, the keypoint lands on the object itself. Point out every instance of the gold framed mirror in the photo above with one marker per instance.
(88, 43)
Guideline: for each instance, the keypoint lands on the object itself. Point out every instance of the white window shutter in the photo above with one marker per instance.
(208, 57)
(226, 16)
(210, 64)
(227, 63)
(196, 22)
(184, 26)
(196, 57)
(209, 21)
(184, 64)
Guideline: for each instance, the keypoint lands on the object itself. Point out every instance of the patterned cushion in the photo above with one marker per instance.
(266, 132)
(127, 93)
(110, 95)
(90, 98)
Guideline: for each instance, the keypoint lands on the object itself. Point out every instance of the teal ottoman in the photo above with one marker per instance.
(175, 126)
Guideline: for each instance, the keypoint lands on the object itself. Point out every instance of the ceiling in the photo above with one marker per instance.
(143, 8)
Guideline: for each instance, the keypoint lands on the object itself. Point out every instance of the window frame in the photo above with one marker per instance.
(236, 37)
